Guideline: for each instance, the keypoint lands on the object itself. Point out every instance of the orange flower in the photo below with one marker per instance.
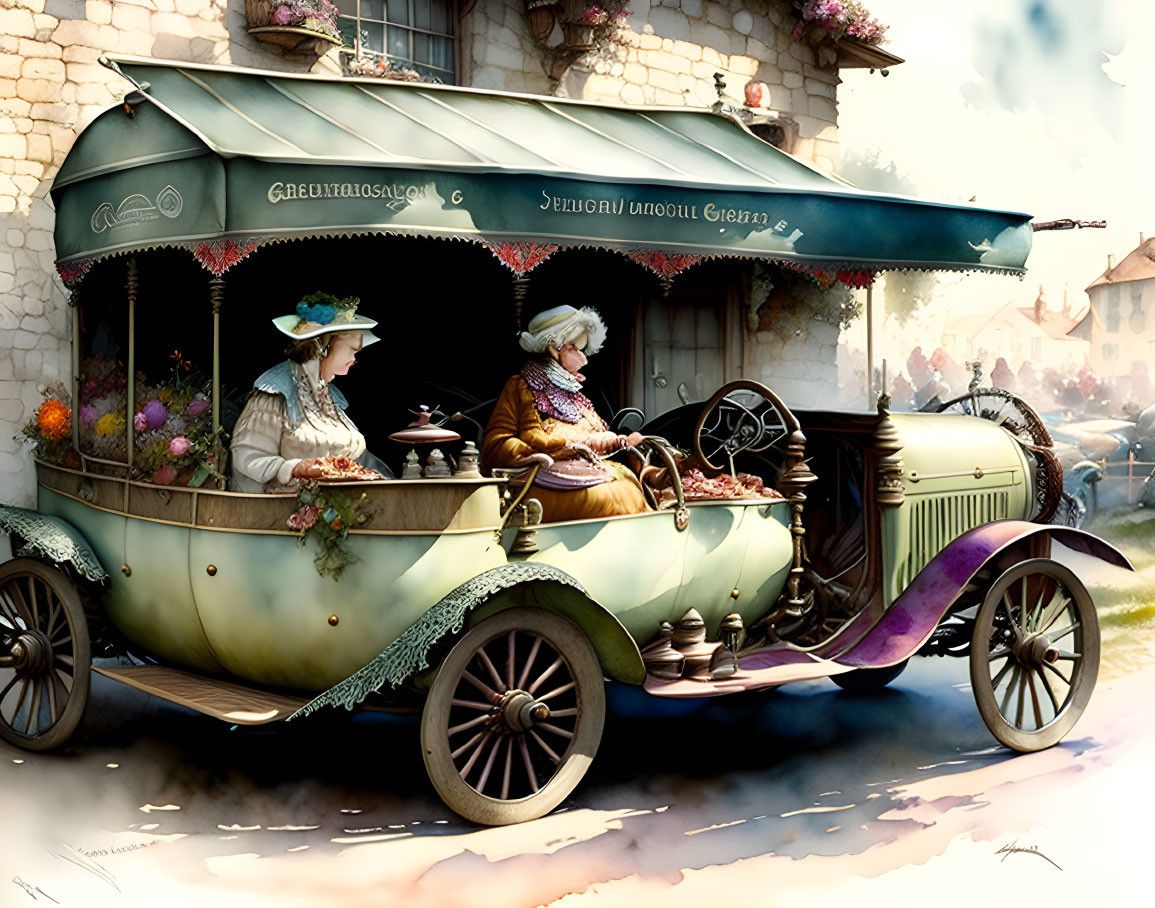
(54, 420)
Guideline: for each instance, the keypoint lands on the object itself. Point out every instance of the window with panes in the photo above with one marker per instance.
(418, 34)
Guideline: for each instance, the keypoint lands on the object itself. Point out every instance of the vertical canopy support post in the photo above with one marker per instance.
(131, 285)
(217, 299)
(74, 304)
(520, 295)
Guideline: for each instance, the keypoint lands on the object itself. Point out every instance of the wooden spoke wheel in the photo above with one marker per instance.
(1005, 409)
(514, 717)
(1034, 654)
(44, 655)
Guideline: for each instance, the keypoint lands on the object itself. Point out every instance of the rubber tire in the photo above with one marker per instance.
(573, 645)
(65, 590)
(1088, 666)
(867, 679)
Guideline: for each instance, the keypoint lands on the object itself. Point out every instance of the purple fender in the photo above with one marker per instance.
(914, 615)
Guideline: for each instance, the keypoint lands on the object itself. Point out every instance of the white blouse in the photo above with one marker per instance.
(266, 446)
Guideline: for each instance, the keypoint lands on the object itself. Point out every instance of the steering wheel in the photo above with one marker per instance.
(728, 427)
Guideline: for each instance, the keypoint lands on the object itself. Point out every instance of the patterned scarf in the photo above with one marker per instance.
(556, 393)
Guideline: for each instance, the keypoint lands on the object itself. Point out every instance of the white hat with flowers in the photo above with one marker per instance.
(322, 313)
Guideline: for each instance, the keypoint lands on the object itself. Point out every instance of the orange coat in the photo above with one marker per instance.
(516, 429)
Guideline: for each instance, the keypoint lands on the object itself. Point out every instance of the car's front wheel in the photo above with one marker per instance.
(514, 717)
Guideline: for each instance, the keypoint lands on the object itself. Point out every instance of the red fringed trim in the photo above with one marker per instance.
(220, 255)
(666, 264)
(826, 278)
(72, 272)
(522, 257)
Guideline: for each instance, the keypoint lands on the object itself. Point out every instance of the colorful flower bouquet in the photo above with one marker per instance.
(822, 21)
(175, 440)
(323, 308)
(325, 516)
(318, 16)
(103, 383)
(50, 428)
(583, 23)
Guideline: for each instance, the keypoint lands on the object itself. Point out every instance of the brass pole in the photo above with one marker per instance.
(520, 293)
(217, 299)
(132, 284)
(869, 343)
(74, 303)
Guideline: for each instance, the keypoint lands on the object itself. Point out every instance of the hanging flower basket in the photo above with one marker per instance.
(577, 36)
(296, 25)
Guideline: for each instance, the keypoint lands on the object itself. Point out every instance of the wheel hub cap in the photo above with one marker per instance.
(31, 653)
(1037, 651)
(520, 711)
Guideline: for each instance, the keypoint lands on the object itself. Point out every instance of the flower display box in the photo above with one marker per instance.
(284, 23)
(577, 36)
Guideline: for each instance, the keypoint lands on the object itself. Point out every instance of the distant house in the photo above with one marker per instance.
(1119, 325)
(1018, 334)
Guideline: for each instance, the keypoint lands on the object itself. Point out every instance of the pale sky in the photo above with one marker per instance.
(1042, 106)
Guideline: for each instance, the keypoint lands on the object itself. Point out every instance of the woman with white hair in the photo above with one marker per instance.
(542, 417)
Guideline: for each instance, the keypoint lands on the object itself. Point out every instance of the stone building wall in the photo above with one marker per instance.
(667, 55)
(51, 86)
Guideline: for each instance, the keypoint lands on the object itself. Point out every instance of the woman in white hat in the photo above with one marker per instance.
(294, 415)
(542, 417)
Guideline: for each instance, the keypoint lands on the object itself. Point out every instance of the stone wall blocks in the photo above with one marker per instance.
(127, 16)
(10, 65)
(38, 89)
(671, 24)
(77, 31)
(172, 24)
(649, 42)
(136, 42)
(94, 94)
(791, 79)
(688, 50)
(717, 15)
(7, 202)
(801, 53)
(692, 8)
(30, 47)
(823, 108)
(35, 323)
(17, 23)
(15, 240)
(669, 98)
(744, 66)
(38, 240)
(759, 51)
(664, 80)
(769, 74)
(43, 68)
(15, 107)
(7, 88)
(39, 148)
(57, 112)
(99, 11)
(711, 56)
(816, 88)
(12, 146)
(23, 340)
(633, 94)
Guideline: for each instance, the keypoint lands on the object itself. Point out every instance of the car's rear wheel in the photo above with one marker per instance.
(44, 655)
(514, 717)
(1034, 654)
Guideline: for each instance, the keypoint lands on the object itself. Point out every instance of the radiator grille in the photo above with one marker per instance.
(936, 521)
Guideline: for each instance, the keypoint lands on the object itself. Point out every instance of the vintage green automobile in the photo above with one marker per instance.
(888, 533)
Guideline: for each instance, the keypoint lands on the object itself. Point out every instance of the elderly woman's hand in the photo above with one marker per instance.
(530, 459)
(307, 469)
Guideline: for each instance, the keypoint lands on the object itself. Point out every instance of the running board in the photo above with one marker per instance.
(224, 700)
(757, 670)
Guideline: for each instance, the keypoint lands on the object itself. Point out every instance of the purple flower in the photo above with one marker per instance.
(282, 15)
(88, 414)
(199, 407)
(140, 422)
(179, 446)
(156, 413)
